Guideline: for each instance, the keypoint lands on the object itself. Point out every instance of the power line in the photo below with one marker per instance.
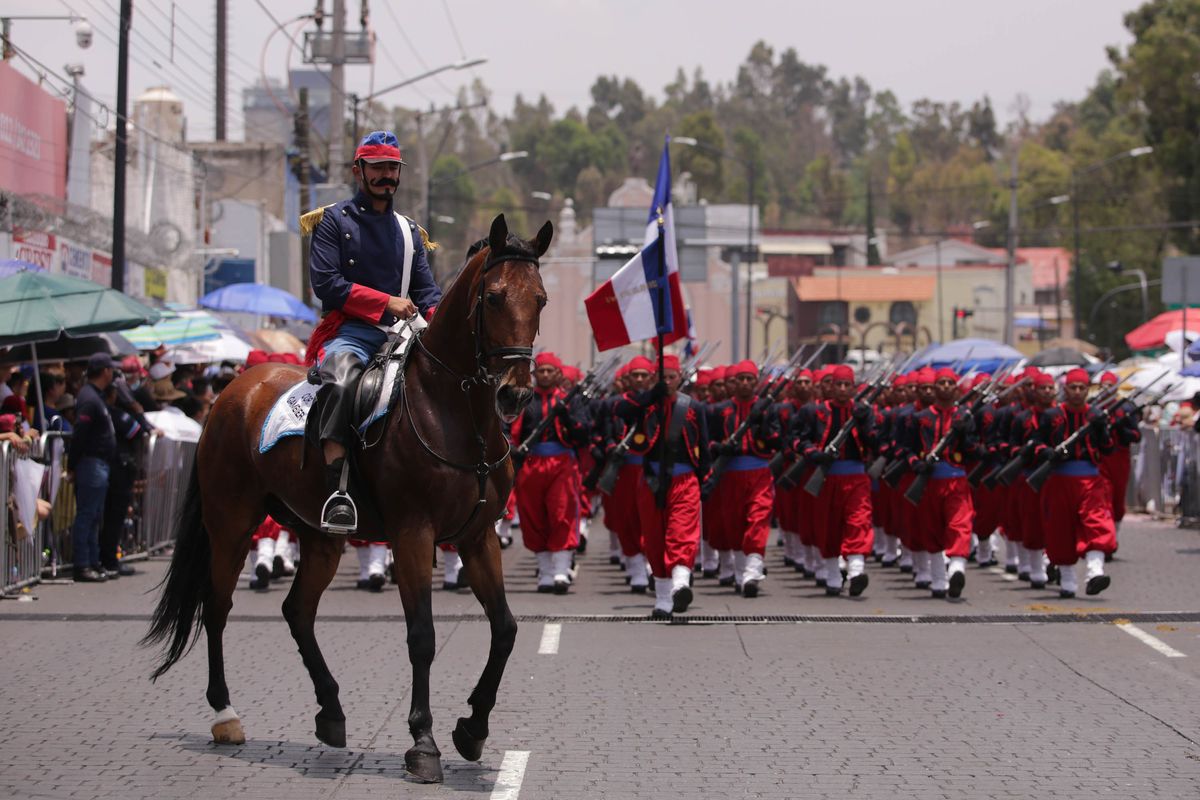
(413, 49)
(462, 51)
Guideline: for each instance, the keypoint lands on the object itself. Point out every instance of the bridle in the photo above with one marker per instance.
(482, 377)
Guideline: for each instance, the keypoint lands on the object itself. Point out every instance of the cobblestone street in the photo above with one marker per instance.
(1009, 693)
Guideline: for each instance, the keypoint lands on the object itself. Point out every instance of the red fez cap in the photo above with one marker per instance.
(132, 364)
(1109, 377)
(1043, 379)
(291, 358)
(703, 377)
(945, 373)
(717, 373)
(900, 380)
(745, 366)
(276, 358)
(256, 357)
(1078, 376)
(640, 363)
(841, 372)
(1010, 380)
(547, 359)
(823, 374)
(1030, 372)
(671, 361)
(804, 373)
(927, 375)
(981, 377)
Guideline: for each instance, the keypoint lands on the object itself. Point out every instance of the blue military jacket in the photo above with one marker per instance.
(357, 261)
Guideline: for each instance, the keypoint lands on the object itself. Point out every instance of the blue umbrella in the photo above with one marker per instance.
(1191, 370)
(254, 298)
(1193, 350)
(979, 354)
(11, 266)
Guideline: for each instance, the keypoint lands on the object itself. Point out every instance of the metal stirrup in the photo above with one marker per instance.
(341, 497)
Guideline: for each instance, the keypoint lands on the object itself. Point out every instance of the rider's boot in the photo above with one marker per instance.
(338, 373)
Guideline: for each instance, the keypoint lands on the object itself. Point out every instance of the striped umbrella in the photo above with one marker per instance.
(176, 329)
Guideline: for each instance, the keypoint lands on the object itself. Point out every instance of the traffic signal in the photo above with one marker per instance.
(960, 317)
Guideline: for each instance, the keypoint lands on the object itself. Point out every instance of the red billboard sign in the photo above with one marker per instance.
(35, 247)
(33, 137)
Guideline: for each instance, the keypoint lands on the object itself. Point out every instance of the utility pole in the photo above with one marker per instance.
(119, 152)
(1011, 267)
(337, 101)
(302, 165)
(222, 36)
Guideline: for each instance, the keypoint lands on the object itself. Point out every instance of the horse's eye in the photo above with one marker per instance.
(541, 301)
(495, 299)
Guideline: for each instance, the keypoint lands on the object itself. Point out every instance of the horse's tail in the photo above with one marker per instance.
(187, 586)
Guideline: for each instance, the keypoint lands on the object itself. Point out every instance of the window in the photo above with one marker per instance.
(903, 311)
(833, 312)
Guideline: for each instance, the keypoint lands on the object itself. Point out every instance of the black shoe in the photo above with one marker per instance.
(89, 575)
(822, 583)
(830, 591)
(562, 587)
(807, 573)
(1108, 557)
(339, 517)
(906, 569)
(788, 561)
(1011, 569)
(639, 589)
(375, 582)
(277, 570)
(878, 558)
(1052, 574)
(887, 563)
(681, 599)
(505, 542)
(708, 573)
(1037, 584)
(726, 582)
(937, 594)
(922, 584)
(362, 583)
(658, 613)
(957, 582)
(262, 578)
(1023, 576)
(614, 560)
(858, 584)
(750, 589)
(1065, 594)
(1098, 584)
(447, 586)
(581, 548)
(545, 588)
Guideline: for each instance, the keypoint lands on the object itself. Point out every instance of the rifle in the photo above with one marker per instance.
(977, 475)
(1038, 477)
(589, 387)
(767, 395)
(1008, 473)
(867, 395)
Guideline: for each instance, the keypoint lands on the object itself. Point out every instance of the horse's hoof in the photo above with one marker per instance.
(331, 731)
(468, 746)
(228, 732)
(425, 767)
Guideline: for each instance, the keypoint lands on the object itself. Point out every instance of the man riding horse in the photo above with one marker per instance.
(369, 268)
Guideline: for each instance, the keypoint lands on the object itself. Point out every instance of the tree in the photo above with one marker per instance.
(707, 167)
(902, 164)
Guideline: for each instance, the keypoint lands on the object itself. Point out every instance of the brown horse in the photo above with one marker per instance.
(439, 473)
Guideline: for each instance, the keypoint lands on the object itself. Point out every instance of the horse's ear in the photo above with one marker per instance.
(542, 240)
(498, 237)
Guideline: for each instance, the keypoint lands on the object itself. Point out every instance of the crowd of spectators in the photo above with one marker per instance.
(107, 407)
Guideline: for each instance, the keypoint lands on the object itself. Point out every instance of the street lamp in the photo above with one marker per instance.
(457, 65)
(748, 165)
(511, 155)
(1136, 152)
(1117, 268)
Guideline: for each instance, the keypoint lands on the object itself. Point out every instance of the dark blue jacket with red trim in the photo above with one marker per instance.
(1057, 423)
(646, 412)
(761, 438)
(929, 425)
(357, 262)
(818, 423)
(569, 429)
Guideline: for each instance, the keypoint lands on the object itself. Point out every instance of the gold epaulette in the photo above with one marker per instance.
(430, 245)
(310, 220)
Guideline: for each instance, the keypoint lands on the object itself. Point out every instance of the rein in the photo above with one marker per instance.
(483, 468)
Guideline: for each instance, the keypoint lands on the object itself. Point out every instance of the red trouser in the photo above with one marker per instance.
(787, 508)
(987, 509)
(745, 511)
(671, 542)
(621, 509)
(1010, 511)
(1077, 517)
(1115, 468)
(945, 516)
(712, 521)
(880, 504)
(805, 509)
(907, 517)
(843, 516)
(582, 468)
(548, 502)
(268, 529)
(1029, 507)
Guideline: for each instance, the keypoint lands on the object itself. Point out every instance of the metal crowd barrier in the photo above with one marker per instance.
(1165, 474)
(163, 469)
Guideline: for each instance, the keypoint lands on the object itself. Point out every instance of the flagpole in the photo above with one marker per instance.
(663, 477)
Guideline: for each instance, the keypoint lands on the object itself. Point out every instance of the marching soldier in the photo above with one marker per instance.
(676, 434)
(547, 484)
(1115, 466)
(1074, 501)
(710, 558)
(1023, 434)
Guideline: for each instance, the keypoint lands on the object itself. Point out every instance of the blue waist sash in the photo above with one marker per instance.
(676, 469)
(1076, 469)
(550, 449)
(944, 470)
(846, 467)
(746, 463)
(634, 458)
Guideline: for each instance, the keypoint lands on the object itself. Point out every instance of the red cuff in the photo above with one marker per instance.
(429, 313)
(365, 303)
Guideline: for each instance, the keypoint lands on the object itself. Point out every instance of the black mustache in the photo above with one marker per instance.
(386, 182)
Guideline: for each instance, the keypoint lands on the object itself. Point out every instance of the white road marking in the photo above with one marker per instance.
(551, 633)
(512, 773)
(1150, 641)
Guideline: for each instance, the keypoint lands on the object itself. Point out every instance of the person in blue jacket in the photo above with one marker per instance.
(361, 251)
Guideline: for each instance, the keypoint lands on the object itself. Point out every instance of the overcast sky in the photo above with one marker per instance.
(943, 49)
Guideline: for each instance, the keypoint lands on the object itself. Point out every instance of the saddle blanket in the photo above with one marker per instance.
(288, 415)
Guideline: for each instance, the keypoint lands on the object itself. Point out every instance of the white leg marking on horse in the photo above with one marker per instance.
(551, 633)
(511, 775)
(226, 714)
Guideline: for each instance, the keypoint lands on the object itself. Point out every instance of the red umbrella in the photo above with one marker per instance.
(1153, 334)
